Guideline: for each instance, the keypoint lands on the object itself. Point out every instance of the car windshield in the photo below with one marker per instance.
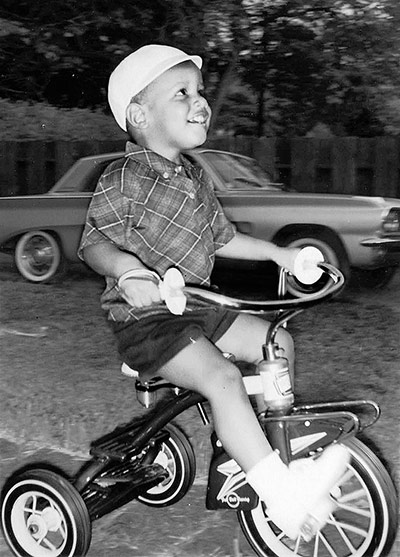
(240, 173)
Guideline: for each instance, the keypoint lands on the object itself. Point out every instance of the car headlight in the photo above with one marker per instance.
(391, 223)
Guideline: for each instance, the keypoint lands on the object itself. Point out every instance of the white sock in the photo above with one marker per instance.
(299, 491)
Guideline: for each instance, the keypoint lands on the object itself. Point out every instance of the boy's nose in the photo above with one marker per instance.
(201, 103)
(200, 100)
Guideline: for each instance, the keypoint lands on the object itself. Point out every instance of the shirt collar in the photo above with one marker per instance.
(156, 162)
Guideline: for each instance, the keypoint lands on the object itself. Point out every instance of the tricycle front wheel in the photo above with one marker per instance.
(364, 523)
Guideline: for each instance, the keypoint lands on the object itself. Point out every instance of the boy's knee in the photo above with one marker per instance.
(225, 378)
(285, 341)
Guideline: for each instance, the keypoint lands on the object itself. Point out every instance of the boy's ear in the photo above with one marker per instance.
(136, 116)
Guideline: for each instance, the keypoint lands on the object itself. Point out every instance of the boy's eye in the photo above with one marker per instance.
(184, 93)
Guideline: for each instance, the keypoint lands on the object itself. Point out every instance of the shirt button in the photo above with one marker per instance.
(165, 175)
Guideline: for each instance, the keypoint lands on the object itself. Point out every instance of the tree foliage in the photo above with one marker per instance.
(44, 122)
(271, 66)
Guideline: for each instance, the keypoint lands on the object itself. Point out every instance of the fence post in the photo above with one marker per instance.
(343, 165)
(8, 168)
(35, 180)
(386, 171)
(303, 157)
(264, 151)
(64, 158)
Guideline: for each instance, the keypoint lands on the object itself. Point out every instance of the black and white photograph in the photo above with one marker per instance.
(199, 278)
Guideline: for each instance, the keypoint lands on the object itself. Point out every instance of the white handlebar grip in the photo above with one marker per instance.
(171, 290)
(306, 268)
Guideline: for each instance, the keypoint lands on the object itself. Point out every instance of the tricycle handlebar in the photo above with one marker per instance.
(335, 282)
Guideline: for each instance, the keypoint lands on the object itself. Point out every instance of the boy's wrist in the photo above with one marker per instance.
(285, 257)
(138, 273)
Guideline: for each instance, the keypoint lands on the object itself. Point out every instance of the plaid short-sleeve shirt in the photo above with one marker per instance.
(164, 214)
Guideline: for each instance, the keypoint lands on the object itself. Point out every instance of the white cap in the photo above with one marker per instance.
(138, 70)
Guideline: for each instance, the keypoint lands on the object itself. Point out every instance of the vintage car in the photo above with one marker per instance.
(43, 231)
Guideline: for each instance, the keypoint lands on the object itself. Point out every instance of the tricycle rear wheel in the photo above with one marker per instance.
(43, 515)
(176, 455)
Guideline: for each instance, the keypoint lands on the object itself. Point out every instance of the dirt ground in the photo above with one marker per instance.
(60, 387)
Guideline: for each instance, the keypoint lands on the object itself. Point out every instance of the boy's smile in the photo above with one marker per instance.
(176, 112)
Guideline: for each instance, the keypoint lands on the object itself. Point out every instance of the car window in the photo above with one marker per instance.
(90, 181)
(240, 173)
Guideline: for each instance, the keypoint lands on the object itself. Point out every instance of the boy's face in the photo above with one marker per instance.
(177, 114)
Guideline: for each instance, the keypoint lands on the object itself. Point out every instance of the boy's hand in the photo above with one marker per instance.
(302, 263)
(285, 257)
(140, 293)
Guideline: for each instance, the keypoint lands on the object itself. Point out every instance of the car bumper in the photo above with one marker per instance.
(387, 250)
(389, 244)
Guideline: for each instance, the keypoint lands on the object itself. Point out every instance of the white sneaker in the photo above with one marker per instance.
(298, 496)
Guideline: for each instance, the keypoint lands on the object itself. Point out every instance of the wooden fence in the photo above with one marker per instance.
(350, 165)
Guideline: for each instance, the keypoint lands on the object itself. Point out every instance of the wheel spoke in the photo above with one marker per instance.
(356, 510)
(327, 545)
(347, 477)
(62, 530)
(297, 546)
(352, 496)
(32, 508)
(281, 535)
(47, 543)
(40, 540)
(354, 529)
(345, 538)
(316, 545)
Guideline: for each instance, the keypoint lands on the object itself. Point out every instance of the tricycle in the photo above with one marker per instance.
(151, 460)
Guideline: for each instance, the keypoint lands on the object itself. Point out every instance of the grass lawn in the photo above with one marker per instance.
(63, 388)
(60, 380)
(60, 388)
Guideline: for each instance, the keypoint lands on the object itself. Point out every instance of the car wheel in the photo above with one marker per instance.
(374, 278)
(331, 248)
(38, 256)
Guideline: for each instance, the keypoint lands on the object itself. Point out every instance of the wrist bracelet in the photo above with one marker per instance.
(145, 274)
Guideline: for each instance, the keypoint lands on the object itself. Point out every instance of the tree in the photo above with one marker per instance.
(321, 59)
(283, 65)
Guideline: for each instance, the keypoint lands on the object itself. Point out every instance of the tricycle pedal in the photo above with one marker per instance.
(109, 491)
(136, 477)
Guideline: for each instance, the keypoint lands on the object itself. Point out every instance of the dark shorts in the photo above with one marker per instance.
(148, 344)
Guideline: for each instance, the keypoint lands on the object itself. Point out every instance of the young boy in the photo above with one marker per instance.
(153, 210)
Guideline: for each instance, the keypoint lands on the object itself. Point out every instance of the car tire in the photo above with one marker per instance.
(374, 279)
(38, 256)
(331, 248)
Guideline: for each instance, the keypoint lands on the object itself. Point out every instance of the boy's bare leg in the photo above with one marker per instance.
(246, 336)
(294, 493)
(245, 339)
(202, 368)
